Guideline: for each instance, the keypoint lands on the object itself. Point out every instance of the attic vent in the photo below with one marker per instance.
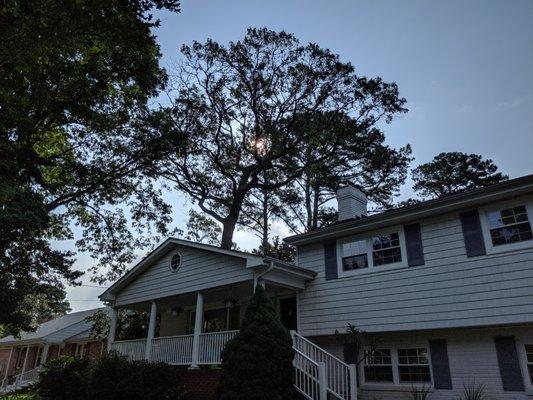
(175, 262)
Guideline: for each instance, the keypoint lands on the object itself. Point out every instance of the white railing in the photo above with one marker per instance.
(175, 350)
(308, 376)
(212, 344)
(341, 378)
(132, 349)
(26, 378)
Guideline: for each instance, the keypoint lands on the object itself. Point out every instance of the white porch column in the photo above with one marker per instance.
(151, 331)
(44, 354)
(198, 322)
(26, 359)
(112, 328)
(4, 379)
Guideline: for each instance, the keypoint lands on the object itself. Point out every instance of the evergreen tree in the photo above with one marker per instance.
(257, 364)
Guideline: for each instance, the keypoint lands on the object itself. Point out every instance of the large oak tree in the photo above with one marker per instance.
(253, 106)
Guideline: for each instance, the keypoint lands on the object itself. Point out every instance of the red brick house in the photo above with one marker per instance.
(20, 359)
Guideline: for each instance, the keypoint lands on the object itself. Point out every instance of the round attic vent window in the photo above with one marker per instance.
(175, 262)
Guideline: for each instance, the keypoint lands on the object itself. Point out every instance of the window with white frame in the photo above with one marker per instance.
(529, 360)
(413, 365)
(509, 225)
(386, 249)
(354, 255)
(383, 249)
(378, 366)
(20, 357)
(80, 350)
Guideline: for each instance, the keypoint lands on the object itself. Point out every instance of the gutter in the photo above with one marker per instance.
(257, 277)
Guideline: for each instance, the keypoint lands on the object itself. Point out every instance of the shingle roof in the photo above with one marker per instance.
(57, 329)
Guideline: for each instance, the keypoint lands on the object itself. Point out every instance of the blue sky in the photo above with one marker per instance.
(465, 68)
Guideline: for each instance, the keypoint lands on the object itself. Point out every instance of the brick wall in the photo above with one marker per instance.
(94, 350)
(201, 384)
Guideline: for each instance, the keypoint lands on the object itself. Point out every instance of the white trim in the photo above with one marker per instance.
(368, 236)
(527, 201)
(521, 343)
(79, 351)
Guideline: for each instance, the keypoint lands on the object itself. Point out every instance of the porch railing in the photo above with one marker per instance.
(133, 349)
(173, 349)
(212, 344)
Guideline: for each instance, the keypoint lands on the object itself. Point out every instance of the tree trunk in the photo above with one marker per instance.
(265, 223)
(228, 228)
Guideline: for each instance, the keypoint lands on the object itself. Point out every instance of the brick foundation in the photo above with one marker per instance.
(201, 384)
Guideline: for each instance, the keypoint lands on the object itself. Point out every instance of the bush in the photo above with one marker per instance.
(110, 378)
(64, 378)
(257, 363)
(115, 378)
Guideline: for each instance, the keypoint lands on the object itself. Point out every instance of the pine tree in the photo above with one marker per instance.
(257, 364)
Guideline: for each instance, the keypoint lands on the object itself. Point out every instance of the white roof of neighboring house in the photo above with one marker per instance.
(56, 330)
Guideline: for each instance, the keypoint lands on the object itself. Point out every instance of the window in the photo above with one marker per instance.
(529, 359)
(386, 249)
(362, 254)
(39, 357)
(413, 365)
(354, 255)
(175, 262)
(378, 366)
(509, 225)
(80, 350)
(20, 357)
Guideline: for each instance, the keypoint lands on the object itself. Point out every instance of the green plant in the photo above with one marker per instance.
(473, 391)
(257, 363)
(420, 392)
(115, 378)
(64, 378)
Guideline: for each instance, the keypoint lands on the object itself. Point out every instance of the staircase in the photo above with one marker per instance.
(21, 381)
(320, 375)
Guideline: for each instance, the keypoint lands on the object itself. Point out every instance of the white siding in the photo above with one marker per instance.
(449, 290)
(472, 357)
(200, 270)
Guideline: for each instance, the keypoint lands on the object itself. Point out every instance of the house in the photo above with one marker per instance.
(21, 358)
(444, 289)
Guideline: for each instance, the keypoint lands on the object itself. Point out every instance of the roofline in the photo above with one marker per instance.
(251, 260)
(502, 190)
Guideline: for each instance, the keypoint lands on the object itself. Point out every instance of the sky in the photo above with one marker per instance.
(465, 68)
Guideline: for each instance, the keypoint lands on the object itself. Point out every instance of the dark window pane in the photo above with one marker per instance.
(354, 262)
(414, 373)
(375, 373)
(511, 234)
(380, 356)
(387, 256)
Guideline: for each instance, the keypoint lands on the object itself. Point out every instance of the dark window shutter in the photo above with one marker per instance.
(440, 364)
(330, 259)
(509, 364)
(413, 243)
(472, 233)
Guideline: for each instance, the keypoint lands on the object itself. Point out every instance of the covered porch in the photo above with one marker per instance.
(192, 329)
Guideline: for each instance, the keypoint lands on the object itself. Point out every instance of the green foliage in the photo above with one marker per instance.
(75, 141)
(420, 392)
(473, 391)
(115, 378)
(25, 396)
(252, 109)
(202, 229)
(130, 324)
(454, 172)
(277, 249)
(110, 378)
(65, 378)
(257, 363)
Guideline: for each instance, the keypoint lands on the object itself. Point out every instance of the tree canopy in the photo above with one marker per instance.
(75, 141)
(454, 172)
(255, 106)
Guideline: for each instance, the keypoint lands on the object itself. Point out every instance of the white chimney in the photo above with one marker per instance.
(352, 203)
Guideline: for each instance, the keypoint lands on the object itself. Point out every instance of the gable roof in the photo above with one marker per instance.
(454, 202)
(55, 330)
(252, 260)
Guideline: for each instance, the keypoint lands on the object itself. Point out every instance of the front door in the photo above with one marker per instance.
(288, 313)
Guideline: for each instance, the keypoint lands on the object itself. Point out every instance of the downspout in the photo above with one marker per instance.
(257, 277)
